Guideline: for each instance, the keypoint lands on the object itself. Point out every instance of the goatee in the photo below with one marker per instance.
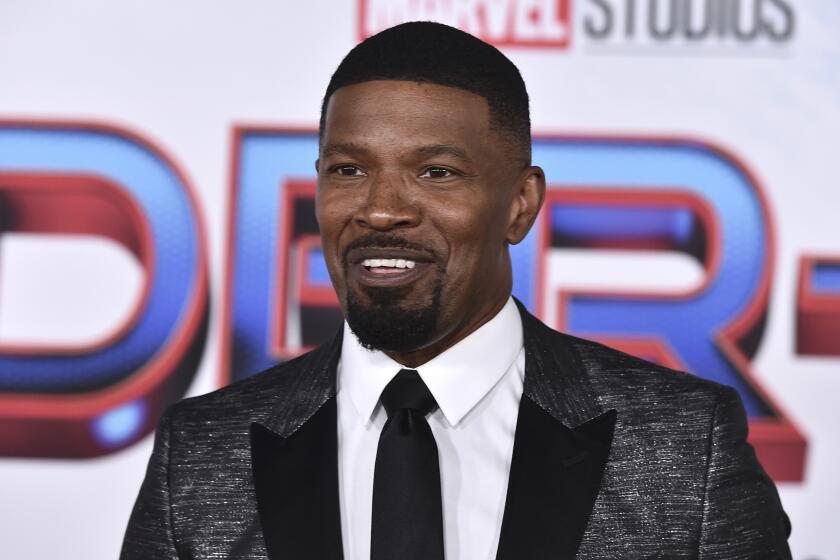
(384, 324)
(379, 316)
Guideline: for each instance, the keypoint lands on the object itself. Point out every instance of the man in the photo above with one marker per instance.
(444, 420)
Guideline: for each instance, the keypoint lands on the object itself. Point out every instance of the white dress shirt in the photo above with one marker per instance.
(477, 384)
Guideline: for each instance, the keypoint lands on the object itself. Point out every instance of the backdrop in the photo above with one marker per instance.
(158, 240)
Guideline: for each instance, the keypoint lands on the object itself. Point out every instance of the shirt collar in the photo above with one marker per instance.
(458, 378)
(364, 373)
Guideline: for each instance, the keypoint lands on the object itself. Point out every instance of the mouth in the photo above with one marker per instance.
(388, 268)
(384, 265)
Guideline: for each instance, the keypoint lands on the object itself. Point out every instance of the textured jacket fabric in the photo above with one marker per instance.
(614, 457)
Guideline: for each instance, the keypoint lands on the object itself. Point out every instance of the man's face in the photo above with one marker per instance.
(417, 201)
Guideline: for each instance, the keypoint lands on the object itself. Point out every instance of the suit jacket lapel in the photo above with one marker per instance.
(295, 462)
(563, 438)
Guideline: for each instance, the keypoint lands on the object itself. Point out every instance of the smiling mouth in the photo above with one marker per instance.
(387, 266)
(388, 261)
(389, 272)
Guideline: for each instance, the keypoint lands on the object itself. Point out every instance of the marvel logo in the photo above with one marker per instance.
(533, 23)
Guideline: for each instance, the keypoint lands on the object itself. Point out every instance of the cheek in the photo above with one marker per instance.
(330, 226)
(475, 243)
(474, 223)
(334, 209)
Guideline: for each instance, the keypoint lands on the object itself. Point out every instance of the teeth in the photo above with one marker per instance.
(388, 263)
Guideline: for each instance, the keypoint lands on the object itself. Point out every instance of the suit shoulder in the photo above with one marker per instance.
(248, 397)
(616, 372)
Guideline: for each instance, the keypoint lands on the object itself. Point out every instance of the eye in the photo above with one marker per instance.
(348, 171)
(437, 173)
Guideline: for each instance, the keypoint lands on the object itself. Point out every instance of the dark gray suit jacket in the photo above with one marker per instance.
(614, 457)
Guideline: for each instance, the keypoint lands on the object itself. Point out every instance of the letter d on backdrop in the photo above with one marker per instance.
(96, 180)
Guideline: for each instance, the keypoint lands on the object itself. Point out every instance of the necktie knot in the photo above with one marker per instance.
(407, 390)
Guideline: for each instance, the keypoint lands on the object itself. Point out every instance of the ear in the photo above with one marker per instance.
(316, 165)
(526, 203)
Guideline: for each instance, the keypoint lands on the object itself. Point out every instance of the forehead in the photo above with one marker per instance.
(405, 113)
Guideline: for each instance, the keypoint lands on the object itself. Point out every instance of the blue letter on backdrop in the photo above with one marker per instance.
(98, 180)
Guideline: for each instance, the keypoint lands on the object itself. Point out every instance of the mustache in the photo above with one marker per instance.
(387, 241)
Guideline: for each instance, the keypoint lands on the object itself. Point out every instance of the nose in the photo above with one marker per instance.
(387, 206)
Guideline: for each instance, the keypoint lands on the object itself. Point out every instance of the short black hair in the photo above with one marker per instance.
(428, 52)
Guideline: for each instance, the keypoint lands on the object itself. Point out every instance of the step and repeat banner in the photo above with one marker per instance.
(157, 235)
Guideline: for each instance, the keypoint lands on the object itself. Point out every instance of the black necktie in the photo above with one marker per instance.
(407, 521)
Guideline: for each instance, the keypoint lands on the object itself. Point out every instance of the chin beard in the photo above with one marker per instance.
(383, 324)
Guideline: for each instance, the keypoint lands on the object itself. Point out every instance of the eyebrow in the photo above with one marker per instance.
(344, 148)
(351, 148)
(443, 150)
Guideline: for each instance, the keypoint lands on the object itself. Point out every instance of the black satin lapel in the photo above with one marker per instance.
(296, 480)
(554, 479)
